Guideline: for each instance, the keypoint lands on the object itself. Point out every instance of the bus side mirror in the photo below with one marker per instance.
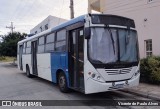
(87, 32)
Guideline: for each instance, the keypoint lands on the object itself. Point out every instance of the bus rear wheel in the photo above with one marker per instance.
(62, 83)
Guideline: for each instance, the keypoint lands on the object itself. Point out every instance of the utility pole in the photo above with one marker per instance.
(11, 27)
(72, 9)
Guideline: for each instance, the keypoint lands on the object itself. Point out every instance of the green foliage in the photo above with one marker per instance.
(2, 58)
(7, 59)
(150, 69)
(9, 45)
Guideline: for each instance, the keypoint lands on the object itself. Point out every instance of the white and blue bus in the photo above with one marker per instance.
(91, 53)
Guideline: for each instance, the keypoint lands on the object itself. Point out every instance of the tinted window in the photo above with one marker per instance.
(24, 48)
(41, 40)
(28, 47)
(29, 44)
(41, 49)
(61, 35)
(28, 50)
(112, 20)
(60, 46)
(80, 45)
(73, 43)
(49, 47)
(50, 38)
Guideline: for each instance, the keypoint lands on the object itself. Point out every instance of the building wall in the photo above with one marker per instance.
(146, 16)
(93, 5)
(51, 21)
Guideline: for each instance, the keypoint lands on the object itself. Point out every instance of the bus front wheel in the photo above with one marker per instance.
(62, 82)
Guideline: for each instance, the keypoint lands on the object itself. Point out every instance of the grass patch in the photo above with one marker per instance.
(7, 59)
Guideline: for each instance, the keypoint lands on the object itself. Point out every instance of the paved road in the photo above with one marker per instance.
(16, 86)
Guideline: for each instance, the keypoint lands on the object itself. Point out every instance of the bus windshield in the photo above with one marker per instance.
(110, 45)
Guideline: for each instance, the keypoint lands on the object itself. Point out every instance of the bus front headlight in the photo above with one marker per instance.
(96, 77)
(93, 75)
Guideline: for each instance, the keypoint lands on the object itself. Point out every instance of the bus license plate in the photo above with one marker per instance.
(119, 86)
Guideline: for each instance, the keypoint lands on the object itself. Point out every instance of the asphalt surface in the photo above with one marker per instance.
(15, 85)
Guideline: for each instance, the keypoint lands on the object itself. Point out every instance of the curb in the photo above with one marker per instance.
(142, 94)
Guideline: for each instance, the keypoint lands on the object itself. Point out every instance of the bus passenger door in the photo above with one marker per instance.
(76, 58)
(20, 56)
(34, 57)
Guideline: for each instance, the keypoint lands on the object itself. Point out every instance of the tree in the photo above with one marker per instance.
(8, 46)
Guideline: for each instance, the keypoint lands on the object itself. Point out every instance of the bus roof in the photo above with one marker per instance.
(75, 20)
(65, 24)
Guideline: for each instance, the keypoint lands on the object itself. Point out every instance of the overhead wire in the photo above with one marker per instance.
(18, 17)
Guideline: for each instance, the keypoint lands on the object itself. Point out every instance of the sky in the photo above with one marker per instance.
(26, 14)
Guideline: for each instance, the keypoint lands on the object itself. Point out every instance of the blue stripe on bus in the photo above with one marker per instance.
(59, 61)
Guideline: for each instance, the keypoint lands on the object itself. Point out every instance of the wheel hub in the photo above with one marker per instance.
(62, 81)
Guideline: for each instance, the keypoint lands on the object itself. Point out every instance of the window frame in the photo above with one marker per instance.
(48, 43)
(44, 40)
(48, 35)
(39, 45)
(24, 47)
(28, 47)
(46, 27)
(149, 44)
(57, 41)
(27, 44)
(61, 39)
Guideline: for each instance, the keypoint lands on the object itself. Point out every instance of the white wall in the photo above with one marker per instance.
(50, 20)
(138, 10)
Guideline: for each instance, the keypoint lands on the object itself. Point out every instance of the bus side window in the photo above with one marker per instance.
(41, 42)
(81, 45)
(24, 48)
(50, 42)
(61, 41)
(28, 47)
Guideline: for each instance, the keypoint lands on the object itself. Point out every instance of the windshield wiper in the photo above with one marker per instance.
(127, 33)
(111, 38)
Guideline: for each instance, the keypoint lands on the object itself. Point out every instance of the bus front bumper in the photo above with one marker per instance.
(93, 86)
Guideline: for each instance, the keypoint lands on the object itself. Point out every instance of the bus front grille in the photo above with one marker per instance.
(118, 71)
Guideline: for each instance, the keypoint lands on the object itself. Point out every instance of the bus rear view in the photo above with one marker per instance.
(112, 56)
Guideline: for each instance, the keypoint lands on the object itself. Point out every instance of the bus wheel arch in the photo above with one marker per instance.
(62, 81)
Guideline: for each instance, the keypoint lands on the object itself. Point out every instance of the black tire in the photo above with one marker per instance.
(28, 72)
(62, 83)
